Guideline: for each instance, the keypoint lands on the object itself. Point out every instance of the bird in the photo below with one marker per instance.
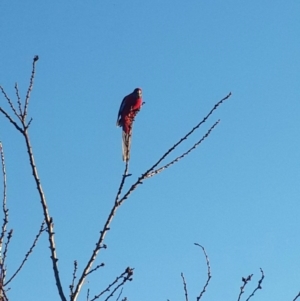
(130, 106)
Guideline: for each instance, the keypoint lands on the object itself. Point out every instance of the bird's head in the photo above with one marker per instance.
(138, 92)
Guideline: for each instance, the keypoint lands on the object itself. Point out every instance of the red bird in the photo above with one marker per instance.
(130, 106)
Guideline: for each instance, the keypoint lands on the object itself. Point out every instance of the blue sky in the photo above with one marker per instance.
(238, 194)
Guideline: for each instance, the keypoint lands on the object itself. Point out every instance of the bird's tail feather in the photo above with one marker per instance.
(126, 143)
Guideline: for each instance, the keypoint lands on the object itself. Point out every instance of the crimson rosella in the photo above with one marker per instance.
(130, 106)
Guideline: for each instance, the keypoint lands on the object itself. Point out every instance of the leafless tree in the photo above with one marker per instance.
(17, 115)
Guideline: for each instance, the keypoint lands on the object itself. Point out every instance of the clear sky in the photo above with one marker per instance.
(238, 194)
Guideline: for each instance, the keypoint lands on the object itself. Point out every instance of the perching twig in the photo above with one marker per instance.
(42, 229)
(152, 168)
(208, 273)
(184, 288)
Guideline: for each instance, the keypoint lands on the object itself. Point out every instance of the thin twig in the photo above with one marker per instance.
(258, 285)
(120, 294)
(126, 275)
(10, 103)
(245, 282)
(154, 172)
(35, 59)
(88, 295)
(4, 209)
(116, 288)
(208, 273)
(11, 120)
(73, 278)
(42, 229)
(191, 131)
(185, 288)
(19, 98)
(9, 236)
(96, 268)
(296, 297)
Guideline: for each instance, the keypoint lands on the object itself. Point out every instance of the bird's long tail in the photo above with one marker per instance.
(126, 143)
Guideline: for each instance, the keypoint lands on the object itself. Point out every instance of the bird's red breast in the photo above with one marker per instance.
(130, 106)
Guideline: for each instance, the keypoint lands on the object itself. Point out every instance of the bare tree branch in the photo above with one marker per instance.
(35, 59)
(19, 99)
(120, 294)
(47, 218)
(126, 276)
(154, 172)
(99, 244)
(185, 288)
(190, 132)
(245, 282)
(208, 273)
(42, 229)
(10, 103)
(4, 208)
(148, 172)
(11, 120)
(296, 297)
(9, 236)
(118, 200)
(96, 268)
(73, 278)
(258, 285)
